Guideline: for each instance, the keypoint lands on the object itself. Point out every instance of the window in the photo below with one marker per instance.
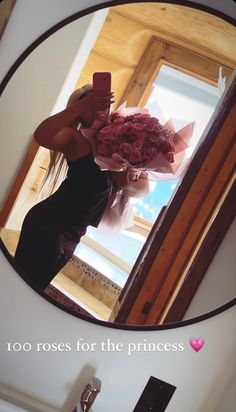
(184, 98)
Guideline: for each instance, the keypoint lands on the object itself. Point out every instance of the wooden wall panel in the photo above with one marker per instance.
(121, 74)
(123, 40)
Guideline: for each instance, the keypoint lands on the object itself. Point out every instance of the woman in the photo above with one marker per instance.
(52, 228)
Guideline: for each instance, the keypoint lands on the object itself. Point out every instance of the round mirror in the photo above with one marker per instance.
(166, 265)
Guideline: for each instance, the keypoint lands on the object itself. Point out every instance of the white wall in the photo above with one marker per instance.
(39, 84)
(57, 378)
(228, 400)
(7, 407)
(29, 20)
(219, 283)
(54, 380)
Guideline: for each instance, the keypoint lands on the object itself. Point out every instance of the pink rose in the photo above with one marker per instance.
(125, 149)
(123, 129)
(152, 152)
(130, 118)
(167, 147)
(105, 132)
(154, 138)
(107, 139)
(139, 126)
(138, 144)
(114, 116)
(133, 135)
(118, 121)
(137, 138)
(135, 156)
(152, 122)
(141, 118)
(104, 150)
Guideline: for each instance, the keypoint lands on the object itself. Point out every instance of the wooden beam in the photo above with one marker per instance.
(145, 73)
(194, 64)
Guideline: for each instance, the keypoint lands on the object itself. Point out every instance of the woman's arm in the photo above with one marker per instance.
(57, 133)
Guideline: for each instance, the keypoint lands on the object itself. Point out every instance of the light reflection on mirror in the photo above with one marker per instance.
(182, 96)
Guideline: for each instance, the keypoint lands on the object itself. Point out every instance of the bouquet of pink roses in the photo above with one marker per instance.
(134, 140)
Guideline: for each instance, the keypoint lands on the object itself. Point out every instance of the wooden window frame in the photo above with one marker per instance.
(187, 224)
(141, 226)
(200, 264)
(107, 254)
(160, 52)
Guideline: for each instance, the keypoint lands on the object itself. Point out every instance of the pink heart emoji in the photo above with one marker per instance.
(197, 343)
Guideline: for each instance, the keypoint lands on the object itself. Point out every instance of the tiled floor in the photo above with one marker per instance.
(81, 296)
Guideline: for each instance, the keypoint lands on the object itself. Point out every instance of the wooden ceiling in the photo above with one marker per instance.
(184, 24)
(128, 30)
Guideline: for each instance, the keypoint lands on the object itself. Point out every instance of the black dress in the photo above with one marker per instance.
(52, 228)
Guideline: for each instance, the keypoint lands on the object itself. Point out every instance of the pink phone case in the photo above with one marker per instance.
(102, 82)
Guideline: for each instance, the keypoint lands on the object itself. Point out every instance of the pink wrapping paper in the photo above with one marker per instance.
(118, 216)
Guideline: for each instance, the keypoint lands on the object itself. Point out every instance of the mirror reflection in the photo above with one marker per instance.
(168, 59)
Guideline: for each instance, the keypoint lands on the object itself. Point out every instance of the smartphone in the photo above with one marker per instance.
(102, 82)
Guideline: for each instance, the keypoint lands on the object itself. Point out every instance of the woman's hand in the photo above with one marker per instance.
(95, 105)
(143, 175)
(134, 175)
(134, 188)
